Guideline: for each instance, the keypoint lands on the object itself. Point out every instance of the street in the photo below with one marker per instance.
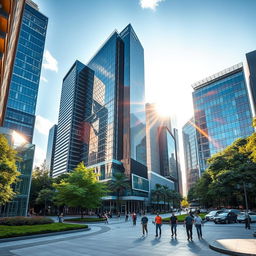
(122, 238)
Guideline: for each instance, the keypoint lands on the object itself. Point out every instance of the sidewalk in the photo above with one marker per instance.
(238, 247)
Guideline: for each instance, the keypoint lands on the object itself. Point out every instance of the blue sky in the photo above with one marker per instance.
(184, 41)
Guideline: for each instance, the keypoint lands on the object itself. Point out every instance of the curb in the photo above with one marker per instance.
(228, 252)
(17, 238)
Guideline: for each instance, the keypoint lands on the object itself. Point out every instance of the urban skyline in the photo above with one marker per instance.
(53, 68)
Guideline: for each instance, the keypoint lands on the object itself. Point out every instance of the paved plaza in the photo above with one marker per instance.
(122, 238)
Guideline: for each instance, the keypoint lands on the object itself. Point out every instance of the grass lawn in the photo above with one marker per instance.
(182, 217)
(14, 231)
(85, 220)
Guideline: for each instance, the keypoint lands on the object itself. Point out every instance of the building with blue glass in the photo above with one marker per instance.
(23, 90)
(222, 111)
(251, 67)
(51, 148)
(19, 116)
(190, 153)
(111, 125)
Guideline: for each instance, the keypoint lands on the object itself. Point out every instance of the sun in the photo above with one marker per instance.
(163, 109)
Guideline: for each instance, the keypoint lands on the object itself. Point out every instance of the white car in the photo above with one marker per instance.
(241, 217)
(213, 214)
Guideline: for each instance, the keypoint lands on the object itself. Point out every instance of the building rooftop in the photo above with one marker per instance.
(217, 76)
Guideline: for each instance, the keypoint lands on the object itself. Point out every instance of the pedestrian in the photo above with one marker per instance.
(198, 224)
(144, 223)
(247, 221)
(174, 221)
(134, 218)
(188, 222)
(158, 222)
(106, 218)
(126, 217)
(61, 218)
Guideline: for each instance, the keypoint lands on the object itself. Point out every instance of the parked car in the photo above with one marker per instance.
(241, 216)
(226, 217)
(203, 210)
(212, 214)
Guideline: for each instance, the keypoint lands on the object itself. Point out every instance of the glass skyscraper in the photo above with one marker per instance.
(190, 153)
(251, 64)
(110, 128)
(21, 103)
(222, 111)
(51, 148)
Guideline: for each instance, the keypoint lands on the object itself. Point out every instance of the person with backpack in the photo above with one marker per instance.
(188, 223)
(174, 222)
(144, 223)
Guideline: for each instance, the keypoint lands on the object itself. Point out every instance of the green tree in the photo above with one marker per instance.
(80, 189)
(45, 197)
(157, 195)
(40, 181)
(118, 185)
(8, 170)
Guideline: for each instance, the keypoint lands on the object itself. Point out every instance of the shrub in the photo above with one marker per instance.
(85, 220)
(20, 221)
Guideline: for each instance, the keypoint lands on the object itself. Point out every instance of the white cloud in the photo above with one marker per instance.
(50, 62)
(150, 4)
(39, 156)
(43, 125)
(42, 78)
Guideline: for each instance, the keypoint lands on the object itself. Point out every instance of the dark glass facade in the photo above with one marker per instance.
(21, 104)
(222, 111)
(168, 155)
(51, 148)
(190, 153)
(77, 86)
(251, 64)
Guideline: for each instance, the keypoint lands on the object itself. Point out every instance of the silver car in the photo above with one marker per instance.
(241, 217)
(213, 214)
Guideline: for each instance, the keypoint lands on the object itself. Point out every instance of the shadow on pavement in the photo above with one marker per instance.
(156, 241)
(193, 247)
(139, 240)
(174, 241)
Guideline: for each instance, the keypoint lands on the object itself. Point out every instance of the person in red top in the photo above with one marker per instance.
(158, 221)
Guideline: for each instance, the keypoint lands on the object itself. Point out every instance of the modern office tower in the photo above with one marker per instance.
(222, 111)
(22, 95)
(19, 205)
(162, 150)
(251, 64)
(190, 153)
(113, 119)
(76, 100)
(51, 148)
(10, 19)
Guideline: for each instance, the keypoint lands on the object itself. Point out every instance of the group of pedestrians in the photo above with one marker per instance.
(189, 221)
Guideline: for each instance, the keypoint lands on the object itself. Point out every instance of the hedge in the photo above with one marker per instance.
(20, 221)
(182, 217)
(15, 231)
(85, 220)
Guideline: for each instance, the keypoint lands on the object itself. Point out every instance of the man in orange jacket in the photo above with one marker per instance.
(158, 222)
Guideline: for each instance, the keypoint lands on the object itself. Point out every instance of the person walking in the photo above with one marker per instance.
(158, 222)
(198, 224)
(134, 218)
(106, 218)
(126, 217)
(188, 222)
(247, 221)
(174, 222)
(144, 223)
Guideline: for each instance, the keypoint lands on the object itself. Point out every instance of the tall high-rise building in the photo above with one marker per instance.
(190, 153)
(162, 150)
(74, 104)
(251, 64)
(10, 19)
(222, 111)
(51, 148)
(111, 127)
(22, 95)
